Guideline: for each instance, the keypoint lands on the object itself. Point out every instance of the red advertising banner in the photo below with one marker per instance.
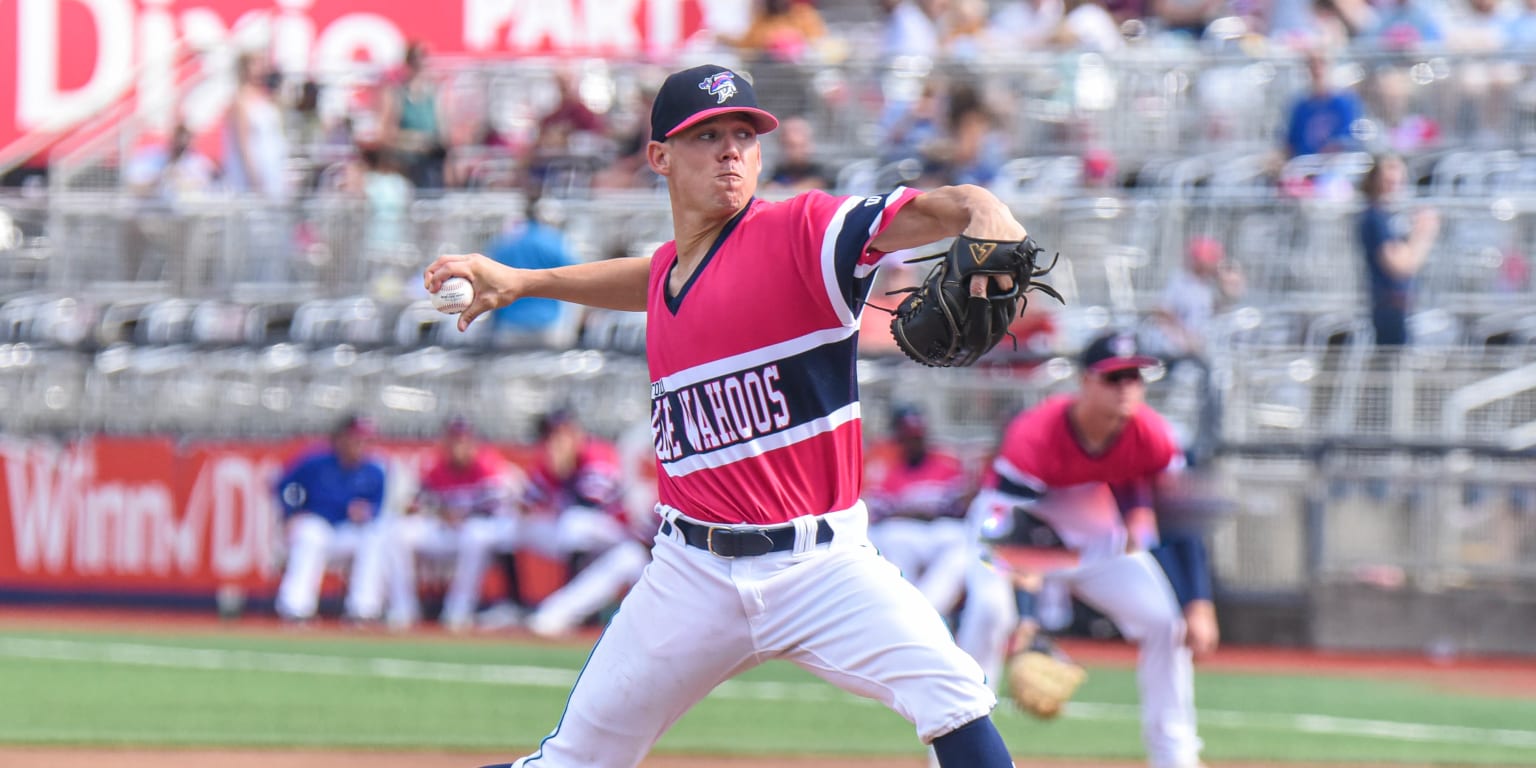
(149, 515)
(65, 60)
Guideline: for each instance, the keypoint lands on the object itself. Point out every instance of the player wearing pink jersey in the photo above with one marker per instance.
(917, 493)
(763, 551)
(466, 482)
(1068, 498)
(571, 509)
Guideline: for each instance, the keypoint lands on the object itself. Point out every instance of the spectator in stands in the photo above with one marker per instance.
(1024, 26)
(377, 178)
(1187, 18)
(1395, 245)
(1483, 81)
(628, 135)
(255, 164)
(1204, 286)
(913, 28)
(797, 169)
(1403, 130)
(1400, 25)
(409, 122)
(1521, 35)
(331, 501)
(912, 127)
(1088, 26)
(465, 480)
(966, 35)
(171, 172)
(976, 147)
(1320, 25)
(567, 136)
(1323, 120)
(162, 175)
(255, 143)
(539, 244)
(314, 135)
(781, 30)
(306, 128)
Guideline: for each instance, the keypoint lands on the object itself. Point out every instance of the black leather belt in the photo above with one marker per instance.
(742, 542)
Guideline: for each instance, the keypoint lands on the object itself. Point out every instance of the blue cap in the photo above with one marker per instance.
(695, 95)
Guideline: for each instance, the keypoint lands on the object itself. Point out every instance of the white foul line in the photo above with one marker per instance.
(551, 677)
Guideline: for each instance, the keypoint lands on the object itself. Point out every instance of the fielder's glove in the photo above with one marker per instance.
(941, 324)
(1041, 679)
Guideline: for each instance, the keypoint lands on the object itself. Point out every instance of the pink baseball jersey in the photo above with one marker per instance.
(754, 396)
(596, 480)
(1043, 462)
(478, 487)
(931, 488)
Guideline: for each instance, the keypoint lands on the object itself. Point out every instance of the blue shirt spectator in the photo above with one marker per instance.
(1521, 34)
(540, 244)
(1323, 120)
(1390, 294)
(1404, 24)
(1395, 249)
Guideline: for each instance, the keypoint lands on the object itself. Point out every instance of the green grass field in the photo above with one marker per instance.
(332, 690)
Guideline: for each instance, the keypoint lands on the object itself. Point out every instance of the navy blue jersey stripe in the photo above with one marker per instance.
(1016, 489)
(763, 400)
(849, 248)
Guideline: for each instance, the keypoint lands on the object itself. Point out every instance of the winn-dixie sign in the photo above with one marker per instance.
(66, 59)
(148, 514)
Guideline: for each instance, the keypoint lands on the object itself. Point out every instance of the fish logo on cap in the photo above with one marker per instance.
(721, 85)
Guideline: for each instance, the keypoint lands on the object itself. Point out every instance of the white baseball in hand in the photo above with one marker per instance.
(454, 296)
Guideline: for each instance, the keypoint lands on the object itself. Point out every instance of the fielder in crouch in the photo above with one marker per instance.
(1070, 492)
(762, 551)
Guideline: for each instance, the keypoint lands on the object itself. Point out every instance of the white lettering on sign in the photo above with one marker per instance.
(65, 519)
(131, 45)
(233, 497)
(40, 102)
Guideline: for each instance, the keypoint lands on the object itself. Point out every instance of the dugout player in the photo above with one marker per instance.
(571, 510)
(762, 552)
(917, 494)
(1068, 498)
(330, 500)
(467, 481)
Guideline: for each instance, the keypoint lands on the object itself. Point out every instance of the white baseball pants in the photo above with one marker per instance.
(931, 553)
(1134, 593)
(313, 543)
(695, 620)
(577, 529)
(592, 589)
(427, 536)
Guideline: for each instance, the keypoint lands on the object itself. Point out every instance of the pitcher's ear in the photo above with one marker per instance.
(658, 155)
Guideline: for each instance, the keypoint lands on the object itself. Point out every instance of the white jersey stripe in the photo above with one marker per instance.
(754, 358)
(762, 445)
(829, 260)
(1005, 469)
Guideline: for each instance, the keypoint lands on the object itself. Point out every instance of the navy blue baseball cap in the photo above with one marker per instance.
(356, 425)
(695, 95)
(1115, 352)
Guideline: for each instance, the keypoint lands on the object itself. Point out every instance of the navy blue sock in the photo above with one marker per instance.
(973, 745)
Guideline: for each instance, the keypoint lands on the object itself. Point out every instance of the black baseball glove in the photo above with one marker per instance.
(941, 324)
